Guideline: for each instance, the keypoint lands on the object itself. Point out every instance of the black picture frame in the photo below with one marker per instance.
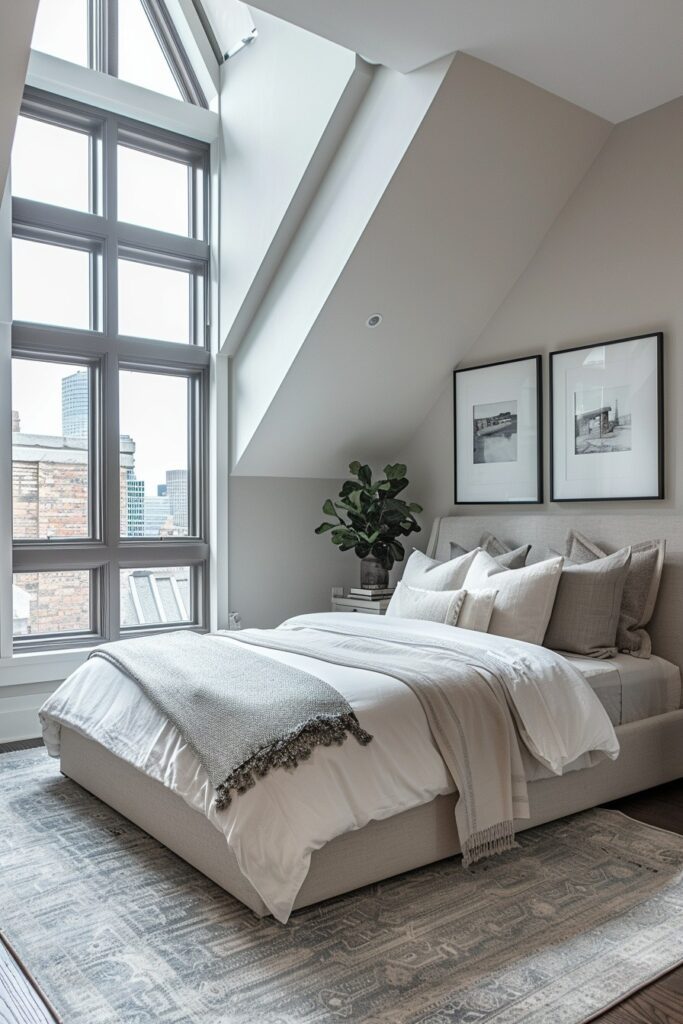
(660, 454)
(538, 500)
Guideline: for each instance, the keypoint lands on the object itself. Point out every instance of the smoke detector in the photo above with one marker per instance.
(374, 321)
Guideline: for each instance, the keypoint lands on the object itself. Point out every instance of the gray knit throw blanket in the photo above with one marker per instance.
(243, 713)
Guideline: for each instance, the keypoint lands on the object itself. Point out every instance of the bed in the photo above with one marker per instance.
(642, 700)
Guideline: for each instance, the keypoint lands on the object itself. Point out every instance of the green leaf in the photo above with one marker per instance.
(365, 475)
(354, 468)
(324, 527)
(415, 507)
(328, 508)
(395, 472)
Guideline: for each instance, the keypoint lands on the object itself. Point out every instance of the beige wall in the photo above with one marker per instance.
(278, 567)
(611, 266)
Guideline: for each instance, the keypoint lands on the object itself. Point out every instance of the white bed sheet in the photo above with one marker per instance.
(293, 813)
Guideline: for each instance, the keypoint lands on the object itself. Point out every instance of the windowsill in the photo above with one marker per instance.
(41, 666)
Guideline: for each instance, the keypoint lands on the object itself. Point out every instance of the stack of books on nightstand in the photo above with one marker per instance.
(374, 600)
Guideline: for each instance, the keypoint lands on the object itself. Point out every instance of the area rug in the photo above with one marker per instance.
(115, 929)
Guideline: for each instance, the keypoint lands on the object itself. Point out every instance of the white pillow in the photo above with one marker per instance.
(477, 609)
(525, 597)
(434, 605)
(429, 574)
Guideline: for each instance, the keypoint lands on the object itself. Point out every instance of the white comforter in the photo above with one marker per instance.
(274, 827)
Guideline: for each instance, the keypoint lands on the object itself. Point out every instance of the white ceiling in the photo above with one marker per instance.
(616, 58)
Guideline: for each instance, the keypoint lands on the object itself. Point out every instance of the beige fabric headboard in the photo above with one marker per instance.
(609, 530)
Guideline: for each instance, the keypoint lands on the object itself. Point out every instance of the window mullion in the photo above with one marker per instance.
(110, 31)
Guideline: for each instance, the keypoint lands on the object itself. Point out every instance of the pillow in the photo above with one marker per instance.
(434, 605)
(586, 613)
(429, 574)
(525, 597)
(476, 610)
(640, 590)
(506, 557)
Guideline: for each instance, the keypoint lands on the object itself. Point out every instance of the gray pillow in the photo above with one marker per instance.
(506, 557)
(587, 606)
(640, 590)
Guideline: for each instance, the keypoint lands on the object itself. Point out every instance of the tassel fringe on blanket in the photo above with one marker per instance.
(499, 838)
(287, 751)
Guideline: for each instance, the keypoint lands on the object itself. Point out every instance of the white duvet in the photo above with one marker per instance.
(274, 828)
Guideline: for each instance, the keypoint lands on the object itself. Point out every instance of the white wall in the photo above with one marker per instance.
(278, 567)
(17, 21)
(281, 99)
(611, 266)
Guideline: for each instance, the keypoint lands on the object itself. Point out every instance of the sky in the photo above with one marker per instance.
(153, 410)
(62, 29)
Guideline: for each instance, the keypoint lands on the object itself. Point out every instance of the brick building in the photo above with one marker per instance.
(50, 500)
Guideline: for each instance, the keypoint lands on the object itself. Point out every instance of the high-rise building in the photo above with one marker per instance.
(133, 492)
(157, 516)
(75, 404)
(176, 490)
(136, 505)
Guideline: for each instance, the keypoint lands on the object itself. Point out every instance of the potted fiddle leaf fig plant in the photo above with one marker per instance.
(369, 518)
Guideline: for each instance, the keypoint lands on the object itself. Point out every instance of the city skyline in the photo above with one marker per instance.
(154, 509)
(160, 440)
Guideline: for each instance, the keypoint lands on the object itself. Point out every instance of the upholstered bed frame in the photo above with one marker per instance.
(651, 749)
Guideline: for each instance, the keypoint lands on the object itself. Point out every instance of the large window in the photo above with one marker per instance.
(109, 376)
(132, 39)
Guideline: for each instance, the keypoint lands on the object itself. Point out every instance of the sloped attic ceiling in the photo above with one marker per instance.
(483, 179)
(616, 58)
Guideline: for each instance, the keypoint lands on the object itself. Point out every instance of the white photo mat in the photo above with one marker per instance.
(498, 427)
(606, 421)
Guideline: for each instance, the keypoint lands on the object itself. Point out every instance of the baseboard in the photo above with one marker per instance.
(19, 707)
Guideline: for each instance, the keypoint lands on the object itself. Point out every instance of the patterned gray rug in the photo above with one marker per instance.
(117, 930)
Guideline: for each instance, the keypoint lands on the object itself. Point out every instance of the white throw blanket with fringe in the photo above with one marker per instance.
(479, 704)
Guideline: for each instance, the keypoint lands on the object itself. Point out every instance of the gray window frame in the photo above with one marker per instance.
(103, 48)
(105, 352)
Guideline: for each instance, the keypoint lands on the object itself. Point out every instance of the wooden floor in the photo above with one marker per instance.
(658, 1003)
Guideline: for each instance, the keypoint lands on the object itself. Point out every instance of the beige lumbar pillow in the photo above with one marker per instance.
(525, 597)
(432, 605)
(430, 574)
(451, 607)
(587, 606)
(477, 609)
(640, 589)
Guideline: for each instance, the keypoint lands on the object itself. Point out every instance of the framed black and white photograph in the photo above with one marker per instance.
(607, 421)
(498, 433)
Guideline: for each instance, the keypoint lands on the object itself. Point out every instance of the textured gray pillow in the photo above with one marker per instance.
(506, 557)
(640, 590)
(587, 606)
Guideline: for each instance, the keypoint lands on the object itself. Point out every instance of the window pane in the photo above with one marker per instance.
(154, 446)
(62, 29)
(141, 59)
(51, 164)
(51, 602)
(152, 597)
(50, 466)
(153, 191)
(50, 284)
(154, 302)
